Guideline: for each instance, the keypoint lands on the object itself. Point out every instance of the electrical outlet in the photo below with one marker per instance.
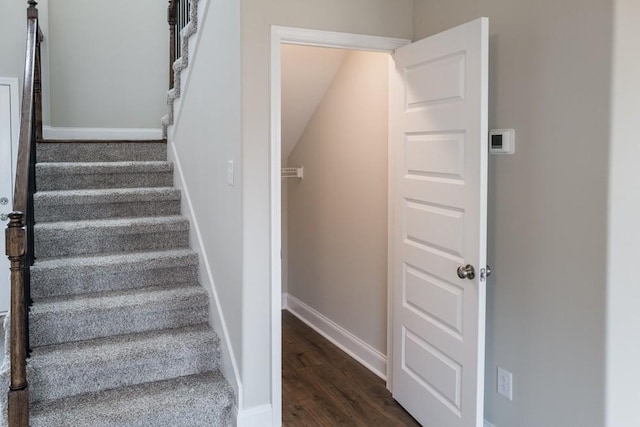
(505, 383)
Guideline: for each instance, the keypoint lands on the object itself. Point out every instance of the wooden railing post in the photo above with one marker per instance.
(18, 399)
(172, 10)
(19, 232)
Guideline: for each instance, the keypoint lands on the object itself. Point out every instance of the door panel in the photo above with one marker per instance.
(8, 134)
(438, 136)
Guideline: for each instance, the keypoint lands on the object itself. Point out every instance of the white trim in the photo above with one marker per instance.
(53, 133)
(391, 197)
(15, 100)
(285, 303)
(257, 416)
(291, 35)
(368, 356)
(276, 228)
(488, 424)
(307, 37)
(228, 364)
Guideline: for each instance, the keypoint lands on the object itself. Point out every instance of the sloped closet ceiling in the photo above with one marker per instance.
(307, 73)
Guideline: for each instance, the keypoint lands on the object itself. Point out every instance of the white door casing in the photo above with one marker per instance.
(9, 124)
(438, 134)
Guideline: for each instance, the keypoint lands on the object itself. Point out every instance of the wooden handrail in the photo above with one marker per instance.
(19, 232)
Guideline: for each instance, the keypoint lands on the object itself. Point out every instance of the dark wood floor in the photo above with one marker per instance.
(323, 386)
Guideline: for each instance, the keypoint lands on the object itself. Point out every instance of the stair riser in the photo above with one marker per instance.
(85, 242)
(101, 151)
(47, 180)
(55, 328)
(54, 382)
(106, 210)
(45, 284)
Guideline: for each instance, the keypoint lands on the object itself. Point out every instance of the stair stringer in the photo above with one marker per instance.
(228, 361)
(189, 44)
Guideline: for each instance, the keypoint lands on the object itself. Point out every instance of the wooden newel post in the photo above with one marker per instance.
(18, 400)
(172, 11)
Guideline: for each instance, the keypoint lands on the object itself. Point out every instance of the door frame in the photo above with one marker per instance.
(318, 38)
(14, 126)
(13, 84)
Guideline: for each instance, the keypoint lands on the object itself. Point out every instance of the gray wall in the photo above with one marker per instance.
(207, 134)
(549, 67)
(337, 214)
(105, 64)
(13, 25)
(109, 63)
(13, 21)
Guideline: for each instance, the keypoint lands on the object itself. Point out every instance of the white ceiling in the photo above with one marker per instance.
(307, 73)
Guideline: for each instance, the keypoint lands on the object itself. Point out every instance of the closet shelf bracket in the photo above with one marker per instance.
(292, 172)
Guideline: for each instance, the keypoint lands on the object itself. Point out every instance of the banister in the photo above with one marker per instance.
(26, 122)
(19, 232)
(178, 12)
(172, 12)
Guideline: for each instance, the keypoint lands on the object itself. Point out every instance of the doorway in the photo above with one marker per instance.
(296, 36)
(334, 212)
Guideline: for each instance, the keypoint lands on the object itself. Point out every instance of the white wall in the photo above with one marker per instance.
(13, 22)
(109, 63)
(306, 75)
(379, 17)
(13, 25)
(206, 135)
(623, 299)
(549, 67)
(338, 213)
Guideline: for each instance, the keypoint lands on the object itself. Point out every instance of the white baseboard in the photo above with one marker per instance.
(228, 365)
(258, 416)
(488, 424)
(368, 356)
(284, 300)
(49, 132)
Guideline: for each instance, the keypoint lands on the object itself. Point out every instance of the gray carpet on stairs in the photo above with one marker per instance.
(119, 325)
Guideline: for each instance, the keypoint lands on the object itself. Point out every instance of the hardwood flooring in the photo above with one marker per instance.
(323, 386)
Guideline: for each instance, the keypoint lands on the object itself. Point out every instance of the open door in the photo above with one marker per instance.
(438, 135)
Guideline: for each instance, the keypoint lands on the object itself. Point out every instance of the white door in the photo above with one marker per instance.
(438, 135)
(8, 138)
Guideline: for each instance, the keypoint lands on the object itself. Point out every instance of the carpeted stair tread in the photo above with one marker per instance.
(197, 400)
(69, 369)
(101, 151)
(95, 175)
(86, 274)
(77, 318)
(119, 327)
(67, 205)
(112, 235)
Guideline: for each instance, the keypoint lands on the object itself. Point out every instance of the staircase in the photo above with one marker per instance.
(118, 327)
